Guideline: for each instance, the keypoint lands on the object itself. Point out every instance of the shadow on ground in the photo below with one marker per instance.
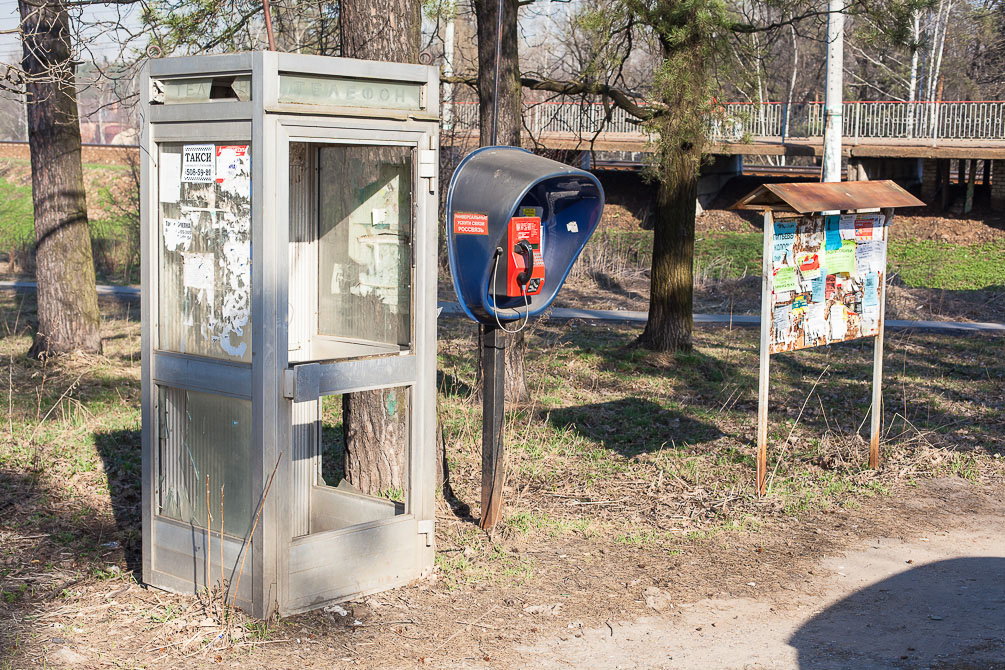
(942, 615)
(120, 450)
(630, 426)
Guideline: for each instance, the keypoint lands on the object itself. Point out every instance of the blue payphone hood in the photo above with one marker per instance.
(493, 183)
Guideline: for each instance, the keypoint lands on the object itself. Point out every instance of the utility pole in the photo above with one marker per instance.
(448, 71)
(833, 95)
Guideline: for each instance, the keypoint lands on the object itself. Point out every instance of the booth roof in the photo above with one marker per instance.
(806, 197)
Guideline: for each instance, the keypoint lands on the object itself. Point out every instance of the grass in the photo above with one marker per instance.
(112, 217)
(731, 255)
(617, 449)
(17, 218)
(930, 264)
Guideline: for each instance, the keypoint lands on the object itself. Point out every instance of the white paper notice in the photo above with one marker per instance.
(198, 163)
(847, 226)
(878, 255)
(231, 161)
(838, 323)
(177, 234)
(815, 322)
(379, 218)
(169, 185)
(198, 271)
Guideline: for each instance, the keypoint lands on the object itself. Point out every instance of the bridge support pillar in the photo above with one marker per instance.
(714, 175)
(929, 179)
(998, 184)
(905, 171)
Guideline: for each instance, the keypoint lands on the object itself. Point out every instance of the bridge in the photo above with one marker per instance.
(950, 129)
(908, 141)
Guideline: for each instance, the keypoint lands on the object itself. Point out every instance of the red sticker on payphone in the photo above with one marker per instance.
(471, 223)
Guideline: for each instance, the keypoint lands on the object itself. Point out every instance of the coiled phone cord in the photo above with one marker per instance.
(523, 290)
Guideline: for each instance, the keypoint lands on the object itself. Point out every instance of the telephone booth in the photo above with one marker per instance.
(289, 258)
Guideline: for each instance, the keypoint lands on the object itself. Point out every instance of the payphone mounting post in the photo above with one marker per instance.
(516, 222)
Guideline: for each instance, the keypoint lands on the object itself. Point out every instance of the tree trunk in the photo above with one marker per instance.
(67, 298)
(510, 120)
(375, 423)
(387, 30)
(671, 298)
(508, 126)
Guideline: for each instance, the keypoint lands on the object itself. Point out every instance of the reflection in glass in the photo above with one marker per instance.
(365, 259)
(204, 435)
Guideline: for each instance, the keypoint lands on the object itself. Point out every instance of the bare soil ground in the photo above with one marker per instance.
(801, 592)
(918, 598)
(629, 489)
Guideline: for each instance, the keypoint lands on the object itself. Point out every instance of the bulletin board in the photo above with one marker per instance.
(826, 278)
(823, 278)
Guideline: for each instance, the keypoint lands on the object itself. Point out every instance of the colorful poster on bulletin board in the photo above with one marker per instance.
(826, 278)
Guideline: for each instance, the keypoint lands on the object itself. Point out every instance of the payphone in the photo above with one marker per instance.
(516, 222)
(524, 261)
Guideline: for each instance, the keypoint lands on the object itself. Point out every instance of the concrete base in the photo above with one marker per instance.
(998, 185)
(907, 172)
(714, 175)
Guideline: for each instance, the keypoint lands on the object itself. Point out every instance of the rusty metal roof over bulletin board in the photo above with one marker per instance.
(806, 197)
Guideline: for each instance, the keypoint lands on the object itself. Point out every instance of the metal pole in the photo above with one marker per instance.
(493, 355)
(877, 357)
(495, 89)
(448, 71)
(268, 25)
(833, 94)
(762, 379)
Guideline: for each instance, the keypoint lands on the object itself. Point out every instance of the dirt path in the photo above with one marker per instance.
(887, 603)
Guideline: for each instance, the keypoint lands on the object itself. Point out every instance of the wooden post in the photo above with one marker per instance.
(493, 362)
(762, 380)
(877, 358)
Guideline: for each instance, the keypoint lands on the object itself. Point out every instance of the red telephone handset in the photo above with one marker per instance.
(525, 262)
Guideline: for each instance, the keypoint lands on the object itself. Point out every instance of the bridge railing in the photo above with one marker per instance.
(738, 121)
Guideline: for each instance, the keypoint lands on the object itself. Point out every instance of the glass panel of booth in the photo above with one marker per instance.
(204, 282)
(204, 446)
(351, 290)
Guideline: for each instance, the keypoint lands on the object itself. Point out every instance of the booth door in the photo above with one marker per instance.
(355, 226)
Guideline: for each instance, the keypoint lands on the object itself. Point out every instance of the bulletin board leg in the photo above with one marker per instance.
(762, 425)
(493, 355)
(877, 360)
(762, 380)
(877, 399)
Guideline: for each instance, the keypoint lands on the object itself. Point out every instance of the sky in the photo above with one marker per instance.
(104, 46)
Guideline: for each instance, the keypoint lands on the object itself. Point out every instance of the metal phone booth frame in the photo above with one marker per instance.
(288, 218)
